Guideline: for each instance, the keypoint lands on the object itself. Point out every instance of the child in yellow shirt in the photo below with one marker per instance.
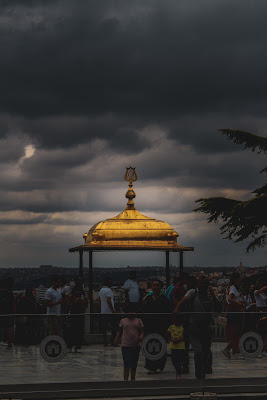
(177, 345)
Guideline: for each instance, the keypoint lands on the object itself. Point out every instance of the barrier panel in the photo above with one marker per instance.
(51, 349)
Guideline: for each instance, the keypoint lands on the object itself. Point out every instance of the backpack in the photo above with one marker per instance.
(201, 308)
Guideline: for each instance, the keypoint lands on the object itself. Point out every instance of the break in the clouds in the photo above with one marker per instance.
(88, 88)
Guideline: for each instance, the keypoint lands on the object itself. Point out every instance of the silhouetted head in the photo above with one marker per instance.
(183, 278)
(177, 319)
(192, 282)
(108, 281)
(203, 285)
(55, 282)
(28, 291)
(131, 310)
(235, 279)
(132, 275)
(251, 288)
(79, 281)
(156, 287)
(203, 281)
(62, 281)
(259, 284)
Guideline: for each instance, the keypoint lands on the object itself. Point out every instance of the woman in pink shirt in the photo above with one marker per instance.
(132, 333)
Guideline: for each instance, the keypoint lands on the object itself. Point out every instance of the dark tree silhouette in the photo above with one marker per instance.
(242, 219)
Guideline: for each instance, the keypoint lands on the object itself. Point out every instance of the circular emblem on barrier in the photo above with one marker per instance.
(53, 348)
(250, 344)
(154, 347)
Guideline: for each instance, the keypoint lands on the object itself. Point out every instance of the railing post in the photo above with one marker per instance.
(81, 264)
(167, 268)
(90, 288)
(181, 262)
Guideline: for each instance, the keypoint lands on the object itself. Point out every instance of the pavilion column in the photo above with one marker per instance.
(81, 264)
(181, 261)
(90, 288)
(167, 268)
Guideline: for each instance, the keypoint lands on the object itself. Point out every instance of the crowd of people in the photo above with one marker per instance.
(181, 314)
(255, 305)
(31, 321)
(191, 302)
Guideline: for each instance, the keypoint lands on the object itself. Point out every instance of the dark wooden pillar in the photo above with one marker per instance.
(90, 288)
(167, 268)
(81, 264)
(181, 261)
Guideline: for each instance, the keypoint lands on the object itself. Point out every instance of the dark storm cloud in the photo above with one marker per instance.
(65, 131)
(27, 221)
(147, 62)
(85, 178)
(51, 201)
(11, 149)
(90, 87)
(201, 130)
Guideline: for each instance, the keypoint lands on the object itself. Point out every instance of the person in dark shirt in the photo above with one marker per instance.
(77, 307)
(157, 304)
(25, 323)
(180, 288)
(202, 302)
(7, 309)
(184, 284)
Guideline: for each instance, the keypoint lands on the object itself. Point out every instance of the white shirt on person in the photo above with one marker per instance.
(66, 290)
(53, 295)
(104, 293)
(260, 299)
(133, 288)
(233, 290)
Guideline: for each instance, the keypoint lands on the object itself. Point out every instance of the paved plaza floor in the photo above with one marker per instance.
(24, 365)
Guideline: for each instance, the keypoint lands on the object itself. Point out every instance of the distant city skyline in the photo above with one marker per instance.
(89, 88)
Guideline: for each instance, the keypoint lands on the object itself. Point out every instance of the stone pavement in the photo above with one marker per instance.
(96, 363)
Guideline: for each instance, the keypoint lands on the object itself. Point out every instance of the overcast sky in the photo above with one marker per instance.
(90, 87)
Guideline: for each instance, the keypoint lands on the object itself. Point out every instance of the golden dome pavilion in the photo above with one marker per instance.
(131, 230)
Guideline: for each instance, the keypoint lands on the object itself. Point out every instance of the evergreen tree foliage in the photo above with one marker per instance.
(242, 219)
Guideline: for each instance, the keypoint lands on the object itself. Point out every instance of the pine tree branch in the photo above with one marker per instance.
(242, 219)
(248, 139)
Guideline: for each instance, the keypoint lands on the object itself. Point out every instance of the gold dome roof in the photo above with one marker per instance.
(131, 230)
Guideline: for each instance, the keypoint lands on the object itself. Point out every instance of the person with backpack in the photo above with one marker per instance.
(202, 303)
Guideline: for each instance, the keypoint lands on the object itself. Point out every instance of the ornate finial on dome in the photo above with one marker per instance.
(130, 176)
